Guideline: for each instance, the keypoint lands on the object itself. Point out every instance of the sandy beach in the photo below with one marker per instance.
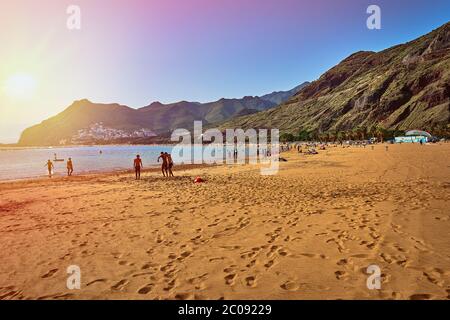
(309, 232)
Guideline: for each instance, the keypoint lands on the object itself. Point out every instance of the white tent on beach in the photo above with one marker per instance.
(414, 136)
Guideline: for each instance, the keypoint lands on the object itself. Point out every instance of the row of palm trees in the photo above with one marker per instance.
(442, 131)
(360, 133)
(356, 134)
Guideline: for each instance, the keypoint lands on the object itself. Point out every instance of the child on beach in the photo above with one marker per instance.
(50, 167)
(137, 167)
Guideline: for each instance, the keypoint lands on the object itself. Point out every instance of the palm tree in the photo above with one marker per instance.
(380, 132)
(373, 131)
(363, 133)
(332, 136)
(340, 136)
(355, 134)
(348, 135)
(322, 137)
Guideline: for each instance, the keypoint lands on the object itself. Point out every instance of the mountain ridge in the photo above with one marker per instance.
(403, 87)
(157, 117)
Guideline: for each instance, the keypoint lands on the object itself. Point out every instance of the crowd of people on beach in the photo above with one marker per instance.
(307, 148)
(311, 148)
(166, 166)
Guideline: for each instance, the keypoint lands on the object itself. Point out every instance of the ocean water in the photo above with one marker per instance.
(24, 163)
(21, 163)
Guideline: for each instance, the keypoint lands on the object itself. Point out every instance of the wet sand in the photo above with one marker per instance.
(309, 232)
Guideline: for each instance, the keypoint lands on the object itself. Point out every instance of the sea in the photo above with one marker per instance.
(27, 163)
(24, 163)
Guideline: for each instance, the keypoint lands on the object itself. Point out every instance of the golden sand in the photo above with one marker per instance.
(309, 232)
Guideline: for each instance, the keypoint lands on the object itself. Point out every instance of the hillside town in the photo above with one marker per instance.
(99, 132)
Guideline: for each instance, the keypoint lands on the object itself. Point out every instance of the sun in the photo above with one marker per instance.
(20, 86)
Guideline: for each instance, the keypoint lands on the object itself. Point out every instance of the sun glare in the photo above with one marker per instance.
(20, 85)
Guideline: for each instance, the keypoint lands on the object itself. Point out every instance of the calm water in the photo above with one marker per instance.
(31, 163)
(22, 163)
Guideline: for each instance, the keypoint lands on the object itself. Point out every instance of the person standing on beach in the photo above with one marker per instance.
(50, 167)
(69, 167)
(137, 167)
(169, 164)
(164, 163)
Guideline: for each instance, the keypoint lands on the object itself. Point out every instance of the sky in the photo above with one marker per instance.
(134, 52)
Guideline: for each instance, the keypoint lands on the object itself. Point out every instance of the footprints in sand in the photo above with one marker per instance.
(95, 281)
(148, 266)
(420, 296)
(146, 289)
(436, 276)
(49, 273)
(10, 292)
(119, 285)
(250, 281)
(231, 274)
(125, 263)
(159, 238)
(255, 260)
(290, 286)
(341, 275)
(230, 278)
(420, 244)
(198, 281)
(269, 264)
(278, 250)
(274, 234)
(360, 255)
(249, 247)
(342, 262)
(398, 259)
(250, 254)
(314, 256)
(170, 285)
(181, 257)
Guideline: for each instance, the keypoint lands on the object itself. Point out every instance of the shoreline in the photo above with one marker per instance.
(91, 175)
(149, 168)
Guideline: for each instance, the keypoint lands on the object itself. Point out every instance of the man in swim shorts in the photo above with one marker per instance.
(69, 167)
(164, 163)
(50, 167)
(137, 167)
(169, 164)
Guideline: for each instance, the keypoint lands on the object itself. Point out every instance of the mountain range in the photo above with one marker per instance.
(159, 118)
(404, 87)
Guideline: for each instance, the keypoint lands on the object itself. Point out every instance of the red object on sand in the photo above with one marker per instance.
(198, 180)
